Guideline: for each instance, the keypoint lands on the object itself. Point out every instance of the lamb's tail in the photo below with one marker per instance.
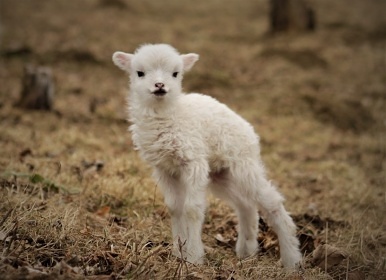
(270, 203)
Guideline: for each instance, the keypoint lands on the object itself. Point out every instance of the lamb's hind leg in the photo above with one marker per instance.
(246, 188)
(227, 188)
(271, 205)
(248, 228)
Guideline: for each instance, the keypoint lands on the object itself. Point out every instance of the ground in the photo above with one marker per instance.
(77, 202)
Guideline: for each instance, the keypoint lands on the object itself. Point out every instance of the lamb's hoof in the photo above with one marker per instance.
(292, 262)
(193, 260)
(247, 248)
(190, 258)
(199, 260)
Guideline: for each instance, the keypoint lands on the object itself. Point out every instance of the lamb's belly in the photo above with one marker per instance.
(217, 163)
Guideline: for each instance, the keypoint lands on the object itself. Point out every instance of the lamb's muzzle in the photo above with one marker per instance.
(160, 91)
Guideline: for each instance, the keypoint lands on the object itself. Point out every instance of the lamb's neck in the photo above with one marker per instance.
(142, 113)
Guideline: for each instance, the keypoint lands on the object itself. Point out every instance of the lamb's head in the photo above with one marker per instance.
(155, 71)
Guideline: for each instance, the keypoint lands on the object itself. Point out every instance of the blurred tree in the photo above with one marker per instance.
(291, 16)
(37, 88)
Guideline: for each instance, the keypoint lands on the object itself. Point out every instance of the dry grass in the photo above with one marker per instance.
(75, 199)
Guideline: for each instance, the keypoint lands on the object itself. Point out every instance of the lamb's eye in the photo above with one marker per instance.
(140, 73)
(175, 74)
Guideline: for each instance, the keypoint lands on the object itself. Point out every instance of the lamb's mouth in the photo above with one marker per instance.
(160, 92)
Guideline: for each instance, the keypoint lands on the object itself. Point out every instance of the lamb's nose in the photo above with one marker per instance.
(159, 85)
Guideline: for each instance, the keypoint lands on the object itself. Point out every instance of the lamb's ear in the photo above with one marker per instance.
(188, 60)
(122, 60)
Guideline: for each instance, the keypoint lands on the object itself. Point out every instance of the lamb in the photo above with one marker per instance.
(195, 143)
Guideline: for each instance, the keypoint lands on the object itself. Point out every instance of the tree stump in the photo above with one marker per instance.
(291, 16)
(37, 89)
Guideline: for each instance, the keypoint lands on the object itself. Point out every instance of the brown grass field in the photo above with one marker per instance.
(77, 202)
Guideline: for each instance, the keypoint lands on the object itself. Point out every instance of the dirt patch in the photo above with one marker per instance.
(305, 59)
(341, 113)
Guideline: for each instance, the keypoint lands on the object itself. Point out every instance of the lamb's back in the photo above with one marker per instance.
(225, 133)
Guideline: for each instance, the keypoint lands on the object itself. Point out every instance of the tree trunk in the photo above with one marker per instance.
(291, 16)
(37, 89)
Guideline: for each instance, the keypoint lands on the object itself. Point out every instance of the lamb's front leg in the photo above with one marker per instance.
(194, 179)
(185, 198)
(174, 195)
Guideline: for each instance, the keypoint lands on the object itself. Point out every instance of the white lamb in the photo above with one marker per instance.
(193, 142)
